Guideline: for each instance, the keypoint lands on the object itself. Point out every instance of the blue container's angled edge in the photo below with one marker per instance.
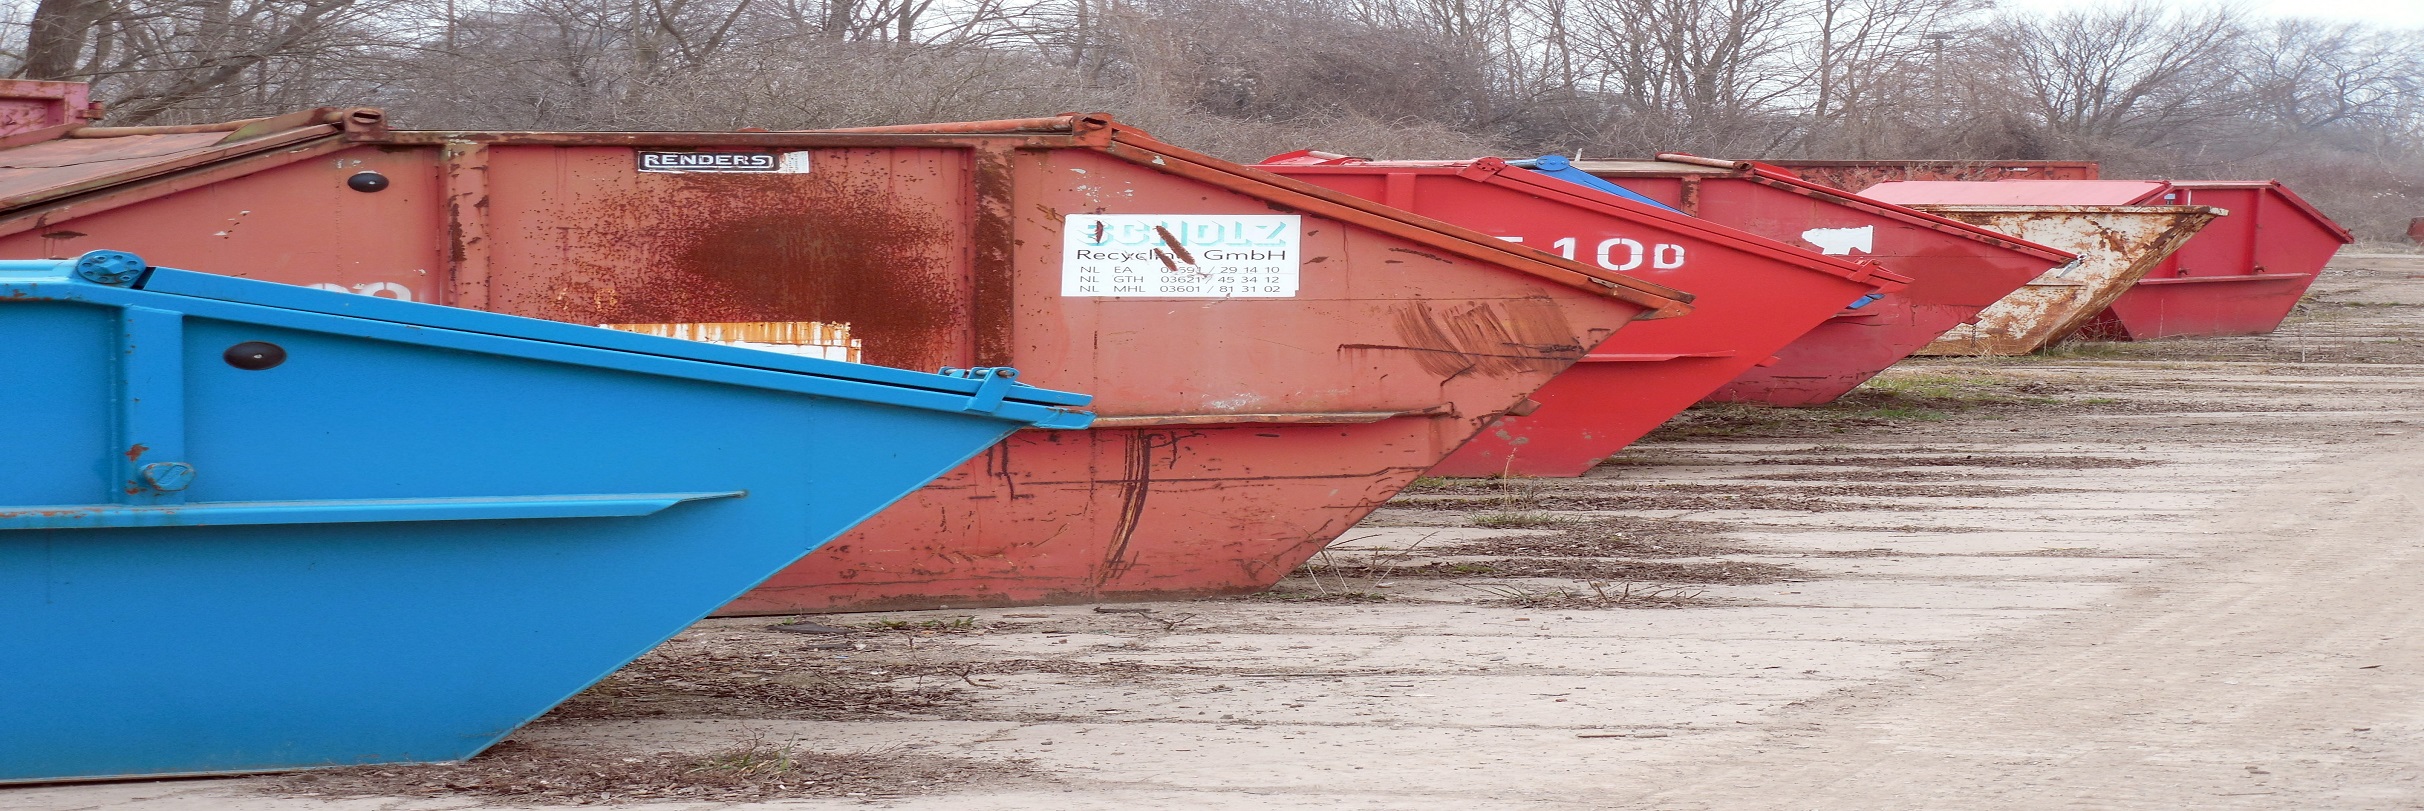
(249, 527)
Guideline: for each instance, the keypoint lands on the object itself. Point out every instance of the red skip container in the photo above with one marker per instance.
(2238, 276)
(1752, 296)
(1271, 360)
(1955, 269)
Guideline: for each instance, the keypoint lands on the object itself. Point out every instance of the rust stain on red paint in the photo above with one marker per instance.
(836, 249)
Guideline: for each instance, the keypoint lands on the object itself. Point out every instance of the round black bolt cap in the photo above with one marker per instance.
(366, 182)
(254, 356)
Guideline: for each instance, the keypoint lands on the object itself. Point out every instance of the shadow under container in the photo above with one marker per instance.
(2240, 275)
(1956, 269)
(1271, 360)
(1752, 296)
(253, 527)
(2117, 245)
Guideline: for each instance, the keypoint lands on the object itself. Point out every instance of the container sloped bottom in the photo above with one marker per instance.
(1194, 511)
(455, 575)
(1591, 412)
(2116, 245)
(2200, 306)
(1836, 357)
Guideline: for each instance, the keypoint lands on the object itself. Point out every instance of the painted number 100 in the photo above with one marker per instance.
(1620, 253)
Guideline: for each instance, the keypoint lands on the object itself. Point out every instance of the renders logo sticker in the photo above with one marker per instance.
(788, 163)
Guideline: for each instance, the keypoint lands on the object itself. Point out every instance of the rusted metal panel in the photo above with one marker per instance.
(2116, 246)
(463, 181)
(1242, 433)
(1754, 296)
(1956, 269)
(1861, 174)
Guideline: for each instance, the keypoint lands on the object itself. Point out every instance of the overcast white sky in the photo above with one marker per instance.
(2397, 13)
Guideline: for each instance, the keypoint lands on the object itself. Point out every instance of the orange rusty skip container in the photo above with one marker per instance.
(1755, 295)
(1238, 433)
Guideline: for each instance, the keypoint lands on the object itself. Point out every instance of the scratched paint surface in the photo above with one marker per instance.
(2116, 246)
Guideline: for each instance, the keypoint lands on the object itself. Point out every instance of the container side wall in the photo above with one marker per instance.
(296, 224)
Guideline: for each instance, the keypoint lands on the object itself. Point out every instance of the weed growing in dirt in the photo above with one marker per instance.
(1624, 536)
(1329, 597)
(1588, 569)
(699, 681)
(1522, 520)
(1594, 595)
(954, 625)
(757, 760)
(2078, 350)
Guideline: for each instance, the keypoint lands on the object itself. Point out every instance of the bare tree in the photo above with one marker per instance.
(2137, 76)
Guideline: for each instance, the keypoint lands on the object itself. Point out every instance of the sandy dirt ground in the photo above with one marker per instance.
(2182, 574)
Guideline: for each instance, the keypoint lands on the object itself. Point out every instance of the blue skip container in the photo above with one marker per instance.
(251, 527)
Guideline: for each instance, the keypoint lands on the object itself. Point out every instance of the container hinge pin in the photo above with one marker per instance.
(992, 385)
(113, 268)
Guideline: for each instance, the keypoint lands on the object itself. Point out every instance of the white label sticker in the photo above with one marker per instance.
(788, 163)
(1182, 255)
(1842, 241)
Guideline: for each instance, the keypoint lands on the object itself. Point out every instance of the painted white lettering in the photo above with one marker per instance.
(1632, 258)
(1667, 256)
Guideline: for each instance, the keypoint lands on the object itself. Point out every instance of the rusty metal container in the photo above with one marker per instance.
(1752, 296)
(1861, 174)
(2117, 245)
(1270, 360)
(1956, 269)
